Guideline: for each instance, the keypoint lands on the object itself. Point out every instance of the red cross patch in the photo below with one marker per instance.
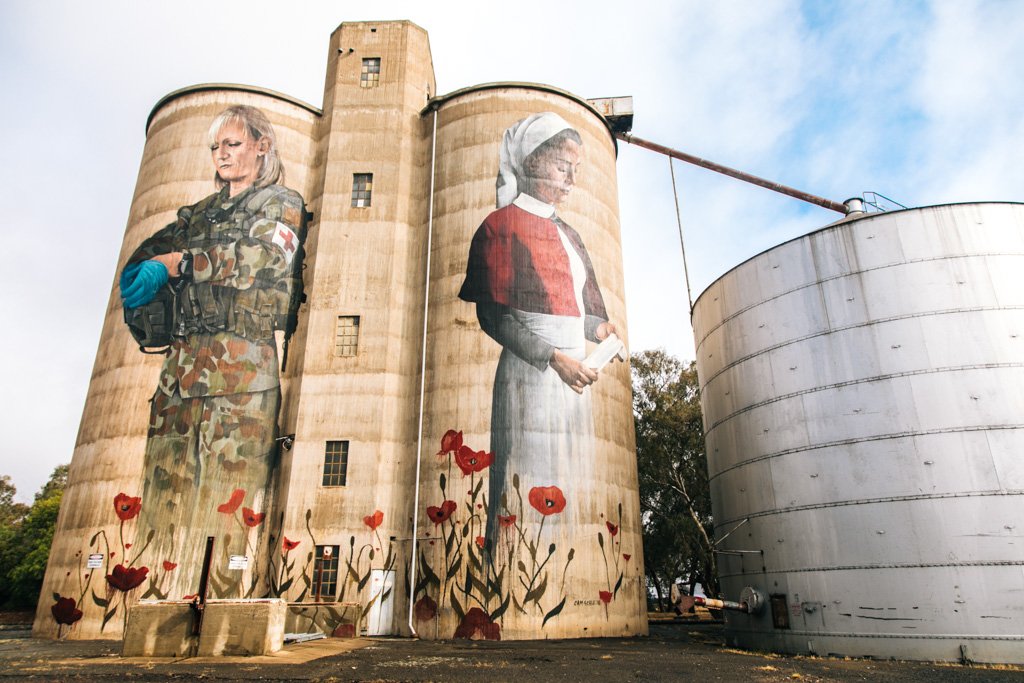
(286, 238)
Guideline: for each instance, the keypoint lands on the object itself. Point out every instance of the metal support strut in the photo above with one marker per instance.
(198, 603)
(740, 175)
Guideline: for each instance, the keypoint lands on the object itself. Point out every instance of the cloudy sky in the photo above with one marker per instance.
(920, 101)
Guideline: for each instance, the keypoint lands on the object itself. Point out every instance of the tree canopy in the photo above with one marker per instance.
(26, 533)
(674, 495)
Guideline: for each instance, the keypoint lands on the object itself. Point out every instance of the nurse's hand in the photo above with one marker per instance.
(574, 373)
(604, 329)
(602, 332)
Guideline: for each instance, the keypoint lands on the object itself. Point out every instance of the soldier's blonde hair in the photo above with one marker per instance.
(257, 127)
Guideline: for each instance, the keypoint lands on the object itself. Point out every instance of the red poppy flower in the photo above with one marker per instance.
(373, 521)
(507, 521)
(126, 578)
(65, 611)
(547, 500)
(289, 545)
(169, 566)
(344, 631)
(233, 502)
(469, 460)
(251, 517)
(626, 556)
(451, 441)
(441, 514)
(605, 596)
(476, 625)
(480, 541)
(425, 609)
(127, 506)
(612, 528)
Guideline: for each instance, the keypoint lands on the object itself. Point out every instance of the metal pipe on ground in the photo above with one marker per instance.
(751, 602)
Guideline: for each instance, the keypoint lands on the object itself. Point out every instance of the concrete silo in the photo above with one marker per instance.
(573, 570)
(863, 388)
(368, 392)
(92, 536)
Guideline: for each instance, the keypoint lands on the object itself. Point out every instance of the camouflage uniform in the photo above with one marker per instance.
(214, 415)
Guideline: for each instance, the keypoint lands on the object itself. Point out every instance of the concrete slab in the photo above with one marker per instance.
(229, 627)
(242, 627)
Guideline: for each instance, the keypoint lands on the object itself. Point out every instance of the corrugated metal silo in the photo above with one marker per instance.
(863, 394)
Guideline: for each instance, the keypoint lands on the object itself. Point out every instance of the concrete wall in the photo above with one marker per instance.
(592, 584)
(175, 171)
(369, 262)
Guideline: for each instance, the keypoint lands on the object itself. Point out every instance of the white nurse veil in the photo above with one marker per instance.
(519, 141)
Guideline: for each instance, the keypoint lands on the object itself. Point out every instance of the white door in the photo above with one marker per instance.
(380, 618)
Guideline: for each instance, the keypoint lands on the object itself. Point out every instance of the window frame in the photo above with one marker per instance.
(369, 74)
(362, 190)
(337, 477)
(333, 567)
(347, 340)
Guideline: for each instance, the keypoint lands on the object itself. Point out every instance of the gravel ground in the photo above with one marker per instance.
(673, 652)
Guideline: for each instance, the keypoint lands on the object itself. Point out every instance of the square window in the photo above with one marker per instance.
(370, 76)
(362, 188)
(325, 573)
(346, 336)
(336, 463)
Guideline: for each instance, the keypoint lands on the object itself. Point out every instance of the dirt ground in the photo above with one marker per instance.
(674, 651)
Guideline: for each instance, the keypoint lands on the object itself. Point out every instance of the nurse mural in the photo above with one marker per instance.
(536, 294)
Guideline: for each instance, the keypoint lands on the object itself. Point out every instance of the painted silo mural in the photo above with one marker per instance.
(536, 294)
(526, 535)
(468, 242)
(223, 278)
(207, 293)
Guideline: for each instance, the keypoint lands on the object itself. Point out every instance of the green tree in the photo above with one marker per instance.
(674, 494)
(57, 483)
(10, 510)
(11, 514)
(25, 541)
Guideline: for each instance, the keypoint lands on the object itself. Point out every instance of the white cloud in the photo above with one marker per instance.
(970, 89)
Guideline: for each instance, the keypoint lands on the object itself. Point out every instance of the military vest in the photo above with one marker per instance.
(218, 328)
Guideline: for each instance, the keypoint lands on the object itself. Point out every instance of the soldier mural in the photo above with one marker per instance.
(218, 283)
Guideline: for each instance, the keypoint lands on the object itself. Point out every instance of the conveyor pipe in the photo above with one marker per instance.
(734, 173)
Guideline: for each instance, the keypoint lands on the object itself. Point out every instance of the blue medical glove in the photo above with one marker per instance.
(128, 276)
(151, 276)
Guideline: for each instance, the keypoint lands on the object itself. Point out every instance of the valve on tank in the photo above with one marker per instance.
(751, 601)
